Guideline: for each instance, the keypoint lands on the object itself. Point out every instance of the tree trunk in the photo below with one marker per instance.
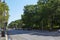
(3, 33)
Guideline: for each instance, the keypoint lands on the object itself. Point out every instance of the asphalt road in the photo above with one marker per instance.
(32, 35)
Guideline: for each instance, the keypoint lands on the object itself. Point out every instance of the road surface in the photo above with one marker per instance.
(32, 35)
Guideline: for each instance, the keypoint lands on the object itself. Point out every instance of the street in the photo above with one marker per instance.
(32, 35)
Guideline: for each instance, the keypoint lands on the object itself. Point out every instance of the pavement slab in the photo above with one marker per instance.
(2, 38)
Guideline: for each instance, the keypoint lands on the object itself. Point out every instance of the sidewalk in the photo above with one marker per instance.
(2, 38)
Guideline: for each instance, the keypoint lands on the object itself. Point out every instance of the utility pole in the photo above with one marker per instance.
(42, 26)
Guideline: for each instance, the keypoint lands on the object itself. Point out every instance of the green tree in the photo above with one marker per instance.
(44, 15)
(4, 15)
(16, 24)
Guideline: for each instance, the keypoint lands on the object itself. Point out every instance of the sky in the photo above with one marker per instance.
(16, 8)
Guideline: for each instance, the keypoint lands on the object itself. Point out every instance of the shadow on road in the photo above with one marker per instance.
(38, 33)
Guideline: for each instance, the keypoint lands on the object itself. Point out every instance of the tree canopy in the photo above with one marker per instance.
(4, 13)
(44, 15)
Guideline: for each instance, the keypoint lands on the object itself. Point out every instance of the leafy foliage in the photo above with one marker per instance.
(44, 15)
(4, 15)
